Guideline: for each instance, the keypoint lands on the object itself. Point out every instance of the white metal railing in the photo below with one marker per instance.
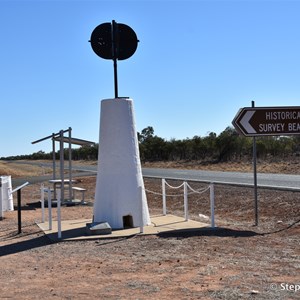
(48, 192)
(186, 188)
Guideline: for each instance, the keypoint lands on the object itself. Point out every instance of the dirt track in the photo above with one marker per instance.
(238, 261)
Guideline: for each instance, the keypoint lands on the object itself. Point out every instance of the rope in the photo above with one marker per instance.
(160, 194)
(200, 191)
(155, 193)
(174, 187)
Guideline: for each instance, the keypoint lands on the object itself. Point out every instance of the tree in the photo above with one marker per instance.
(226, 144)
(210, 145)
(145, 134)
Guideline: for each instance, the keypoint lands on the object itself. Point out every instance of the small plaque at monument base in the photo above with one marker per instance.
(98, 228)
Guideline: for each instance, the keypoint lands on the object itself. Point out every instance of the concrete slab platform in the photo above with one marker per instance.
(72, 230)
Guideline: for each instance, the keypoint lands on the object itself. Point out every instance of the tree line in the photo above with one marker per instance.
(226, 146)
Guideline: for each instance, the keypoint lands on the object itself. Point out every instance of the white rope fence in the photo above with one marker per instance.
(186, 187)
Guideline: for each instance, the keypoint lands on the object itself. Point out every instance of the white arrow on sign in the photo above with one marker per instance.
(245, 121)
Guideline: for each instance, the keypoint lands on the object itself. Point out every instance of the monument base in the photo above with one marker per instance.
(120, 197)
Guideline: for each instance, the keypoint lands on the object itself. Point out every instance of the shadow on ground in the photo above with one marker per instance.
(219, 232)
(24, 245)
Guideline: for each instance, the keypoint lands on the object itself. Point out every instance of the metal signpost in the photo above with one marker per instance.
(254, 155)
(18, 189)
(266, 121)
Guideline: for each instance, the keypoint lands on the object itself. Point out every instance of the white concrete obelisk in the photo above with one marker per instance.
(120, 198)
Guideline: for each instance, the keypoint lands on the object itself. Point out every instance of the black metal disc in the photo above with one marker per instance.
(101, 41)
(120, 43)
(127, 42)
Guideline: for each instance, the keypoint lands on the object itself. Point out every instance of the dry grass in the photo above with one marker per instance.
(288, 166)
(22, 170)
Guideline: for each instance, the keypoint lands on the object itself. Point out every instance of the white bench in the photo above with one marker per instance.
(82, 190)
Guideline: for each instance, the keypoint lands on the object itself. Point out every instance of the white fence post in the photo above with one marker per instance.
(186, 205)
(212, 205)
(164, 196)
(49, 209)
(58, 214)
(43, 202)
(142, 213)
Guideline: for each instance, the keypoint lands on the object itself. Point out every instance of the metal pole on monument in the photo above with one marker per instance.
(115, 54)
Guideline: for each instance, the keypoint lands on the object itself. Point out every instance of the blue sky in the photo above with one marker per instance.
(197, 63)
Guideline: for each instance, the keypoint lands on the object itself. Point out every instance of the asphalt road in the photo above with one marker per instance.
(273, 181)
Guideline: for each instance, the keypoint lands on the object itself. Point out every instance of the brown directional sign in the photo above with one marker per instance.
(260, 121)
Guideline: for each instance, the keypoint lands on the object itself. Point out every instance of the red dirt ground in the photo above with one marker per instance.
(236, 261)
